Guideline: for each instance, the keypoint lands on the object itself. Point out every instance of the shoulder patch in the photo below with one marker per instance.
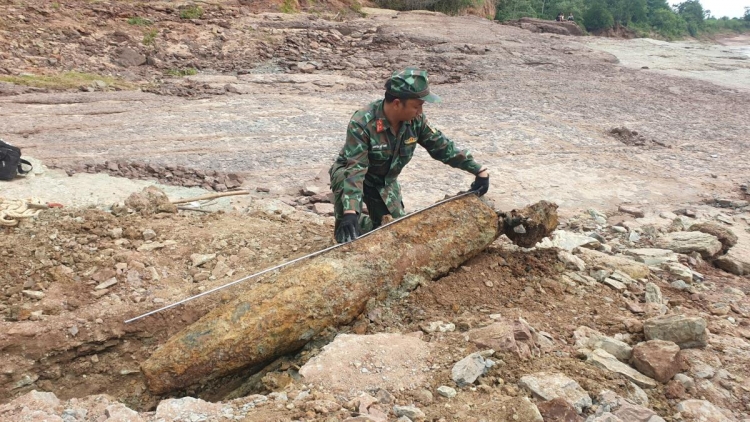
(410, 141)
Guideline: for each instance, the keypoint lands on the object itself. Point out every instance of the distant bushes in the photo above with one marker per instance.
(645, 17)
(450, 7)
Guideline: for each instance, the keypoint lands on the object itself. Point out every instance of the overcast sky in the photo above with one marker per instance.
(721, 8)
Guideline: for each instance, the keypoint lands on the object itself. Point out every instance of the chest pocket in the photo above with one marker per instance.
(380, 157)
(407, 149)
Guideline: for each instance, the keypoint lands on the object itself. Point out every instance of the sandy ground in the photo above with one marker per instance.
(727, 65)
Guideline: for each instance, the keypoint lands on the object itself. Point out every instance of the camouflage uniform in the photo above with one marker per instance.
(372, 157)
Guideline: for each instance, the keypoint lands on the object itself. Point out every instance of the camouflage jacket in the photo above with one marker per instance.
(373, 155)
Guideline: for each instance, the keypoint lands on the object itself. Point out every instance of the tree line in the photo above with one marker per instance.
(642, 16)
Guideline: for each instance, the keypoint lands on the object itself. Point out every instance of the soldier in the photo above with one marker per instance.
(380, 141)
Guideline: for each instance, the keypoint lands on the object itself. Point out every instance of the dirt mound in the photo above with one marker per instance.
(633, 138)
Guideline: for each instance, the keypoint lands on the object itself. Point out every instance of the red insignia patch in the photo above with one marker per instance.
(379, 126)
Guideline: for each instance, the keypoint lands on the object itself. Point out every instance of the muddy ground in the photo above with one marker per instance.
(269, 102)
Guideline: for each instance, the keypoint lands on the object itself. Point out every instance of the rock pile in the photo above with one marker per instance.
(168, 175)
(541, 25)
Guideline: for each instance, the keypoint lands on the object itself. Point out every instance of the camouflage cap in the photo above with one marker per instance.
(411, 83)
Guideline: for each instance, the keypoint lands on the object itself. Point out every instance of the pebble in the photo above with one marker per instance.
(446, 391)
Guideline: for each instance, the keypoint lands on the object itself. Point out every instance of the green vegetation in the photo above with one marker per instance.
(149, 37)
(55, 5)
(139, 21)
(449, 7)
(65, 80)
(645, 17)
(191, 12)
(598, 17)
(182, 72)
(289, 6)
(453, 7)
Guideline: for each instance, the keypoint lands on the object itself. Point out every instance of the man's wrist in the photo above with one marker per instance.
(350, 212)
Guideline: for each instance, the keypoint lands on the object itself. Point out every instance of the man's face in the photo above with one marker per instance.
(409, 109)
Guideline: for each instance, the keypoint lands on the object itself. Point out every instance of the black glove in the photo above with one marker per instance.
(348, 228)
(481, 185)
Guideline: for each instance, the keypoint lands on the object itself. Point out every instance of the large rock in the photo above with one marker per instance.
(468, 369)
(634, 413)
(725, 235)
(604, 360)
(630, 267)
(736, 261)
(653, 294)
(126, 56)
(657, 359)
(679, 271)
(504, 336)
(558, 410)
(687, 242)
(550, 386)
(687, 332)
(589, 338)
(568, 241)
(186, 409)
(363, 362)
(652, 256)
(700, 410)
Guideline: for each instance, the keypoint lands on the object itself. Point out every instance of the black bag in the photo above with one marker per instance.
(11, 163)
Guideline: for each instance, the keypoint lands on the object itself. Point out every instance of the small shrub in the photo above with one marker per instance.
(289, 6)
(182, 72)
(139, 21)
(191, 12)
(56, 5)
(149, 38)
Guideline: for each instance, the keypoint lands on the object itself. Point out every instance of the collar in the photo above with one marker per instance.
(381, 122)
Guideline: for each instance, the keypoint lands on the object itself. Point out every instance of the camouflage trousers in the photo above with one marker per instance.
(376, 207)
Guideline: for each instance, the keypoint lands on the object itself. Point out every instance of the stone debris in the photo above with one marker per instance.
(604, 360)
(596, 259)
(652, 256)
(589, 338)
(701, 410)
(558, 410)
(387, 361)
(165, 174)
(679, 271)
(106, 284)
(445, 391)
(470, 368)
(653, 294)
(548, 386)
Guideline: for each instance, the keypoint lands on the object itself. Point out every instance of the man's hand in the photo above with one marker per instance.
(348, 228)
(481, 183)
